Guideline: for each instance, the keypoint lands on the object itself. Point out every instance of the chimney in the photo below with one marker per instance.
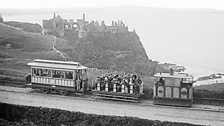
(54, 16)
(171, 71)
(83, 16)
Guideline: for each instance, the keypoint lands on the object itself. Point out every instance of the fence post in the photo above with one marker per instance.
(141, 88)
(131, 88)
(98, 86)
(114, 89)
(106, 86)
(122, 88)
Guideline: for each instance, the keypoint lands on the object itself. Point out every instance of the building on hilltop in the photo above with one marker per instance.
(118, 27)
(57, 26)
(81, 27)
(54, 26)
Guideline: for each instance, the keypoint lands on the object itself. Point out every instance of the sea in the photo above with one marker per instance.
(191, 38)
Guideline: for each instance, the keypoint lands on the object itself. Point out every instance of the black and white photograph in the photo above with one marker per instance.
(111, 62)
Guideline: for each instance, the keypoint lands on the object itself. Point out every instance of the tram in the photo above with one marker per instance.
(58, 76)
(173, 89)
(64, 77)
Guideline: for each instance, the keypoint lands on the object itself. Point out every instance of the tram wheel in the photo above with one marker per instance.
(63, 93)
(46, 91)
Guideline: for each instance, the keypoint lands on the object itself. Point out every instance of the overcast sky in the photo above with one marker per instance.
(27, 4)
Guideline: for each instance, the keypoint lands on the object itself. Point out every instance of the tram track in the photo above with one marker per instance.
(22, 85)
(28, 96)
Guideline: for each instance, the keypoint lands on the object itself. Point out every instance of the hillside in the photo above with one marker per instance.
(212, 87)
(29, 27)
(120, 51)
(106, 50)
(212, 76)
(17, 48)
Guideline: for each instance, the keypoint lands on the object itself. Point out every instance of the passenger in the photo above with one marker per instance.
(102, 83)
(120, 79)
(78, 83)
(118, 84)
(160, 82)
(126, 84)
(96, 82)
(110, 84)
(138, 83)
(85, 81)
(69, 75)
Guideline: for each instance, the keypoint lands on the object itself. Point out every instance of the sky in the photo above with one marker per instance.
(36, 4)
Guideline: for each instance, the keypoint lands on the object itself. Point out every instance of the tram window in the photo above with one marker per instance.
(58, 74)
(68, 75)
(75, 76)
(172, 82)
(45, 73)
(184, 80)
(36, 72)
(160, 81)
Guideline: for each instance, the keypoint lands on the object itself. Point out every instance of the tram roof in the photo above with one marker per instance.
(56, 64)
(175, 75)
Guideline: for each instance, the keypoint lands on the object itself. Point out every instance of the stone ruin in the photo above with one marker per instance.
(54, 26)
(57, 26)
(1, 19)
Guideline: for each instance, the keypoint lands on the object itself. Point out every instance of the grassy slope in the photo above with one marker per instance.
(26, 26)
(24, 48)
(212, 87)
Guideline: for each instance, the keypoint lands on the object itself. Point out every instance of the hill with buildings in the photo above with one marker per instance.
(97, 45)
(94, 45)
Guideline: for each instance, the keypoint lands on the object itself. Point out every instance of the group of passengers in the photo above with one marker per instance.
(161, 81)
(119, 80)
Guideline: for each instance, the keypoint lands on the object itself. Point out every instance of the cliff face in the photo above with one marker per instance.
(117, 51)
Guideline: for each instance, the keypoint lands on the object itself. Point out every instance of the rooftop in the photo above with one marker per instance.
(174, 75)
(56, 64)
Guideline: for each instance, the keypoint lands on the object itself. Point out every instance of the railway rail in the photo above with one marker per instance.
(197, 100)
(13, 83)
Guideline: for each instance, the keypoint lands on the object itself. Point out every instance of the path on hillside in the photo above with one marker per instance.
(56, 50)
(27, 96)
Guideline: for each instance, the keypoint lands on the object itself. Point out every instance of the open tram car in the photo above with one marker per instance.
(58, 76)
(173, 89)
(126, 90)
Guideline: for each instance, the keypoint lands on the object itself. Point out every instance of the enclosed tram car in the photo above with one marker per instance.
(58, 76)
(173, 89)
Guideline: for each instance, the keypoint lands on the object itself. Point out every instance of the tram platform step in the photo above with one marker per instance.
(117, 94)
(116, 97)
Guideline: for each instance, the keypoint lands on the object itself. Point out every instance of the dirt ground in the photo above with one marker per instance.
(27, 96)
